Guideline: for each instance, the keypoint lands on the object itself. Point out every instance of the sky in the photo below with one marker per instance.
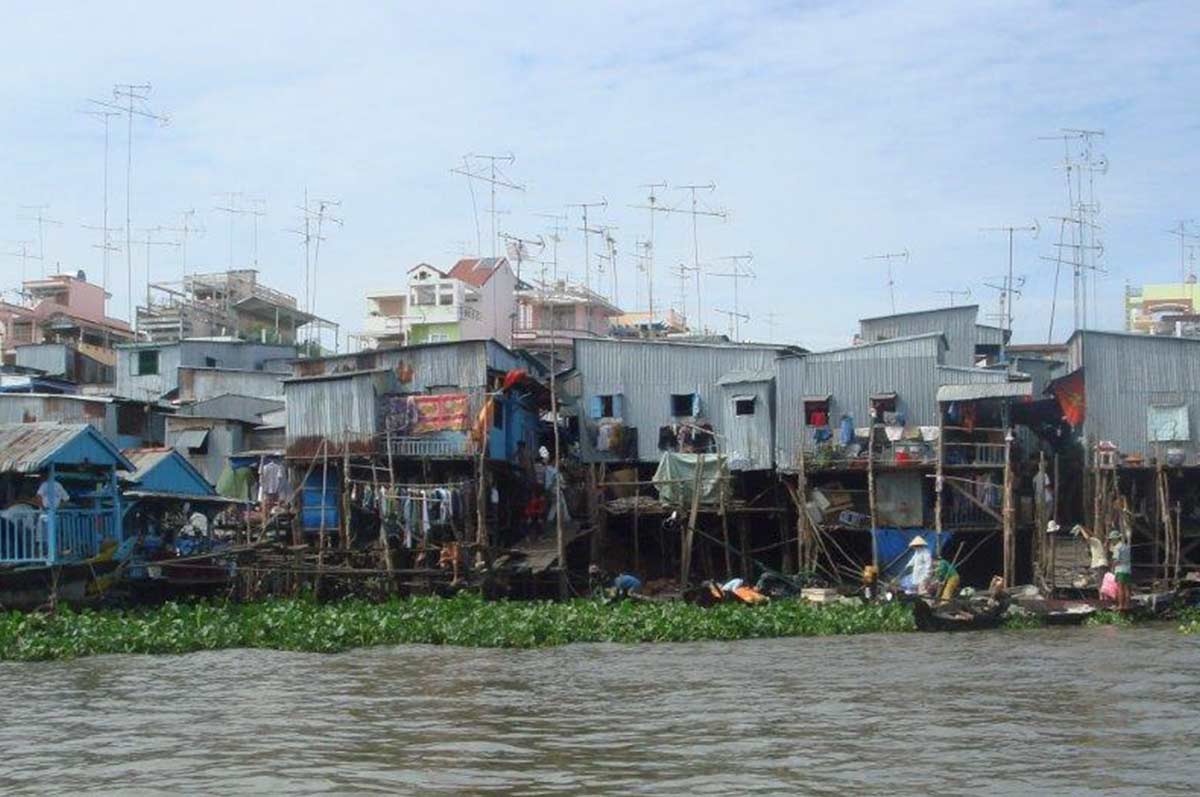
(832, 132)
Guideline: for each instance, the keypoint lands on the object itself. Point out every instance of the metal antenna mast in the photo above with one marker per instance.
(771, 319)
(105, 116)
(737, 273)
(234, 208)
(555, 236)
(1006, 295)
(734, 319)
(1181, 232)
(950, 294)
(653, 207)
(682, 271)
(185, 230)
(891, 277)
(696, 212)
(609, 256)
(516, 248)
(23, 253)
(493, 177)
(149, 242)
(134, 95)
(41, 220)
(587, 255)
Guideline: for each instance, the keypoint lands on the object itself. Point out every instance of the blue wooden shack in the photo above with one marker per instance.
(85, 463)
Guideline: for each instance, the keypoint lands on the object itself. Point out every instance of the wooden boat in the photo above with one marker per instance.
(74, 583)
(958, 615)
(1057, 611)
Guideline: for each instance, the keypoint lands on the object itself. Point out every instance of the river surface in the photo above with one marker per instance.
(1071, 711)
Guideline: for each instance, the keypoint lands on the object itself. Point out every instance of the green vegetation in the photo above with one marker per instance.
(1021, 621)
(305, 625)
(1189, 620)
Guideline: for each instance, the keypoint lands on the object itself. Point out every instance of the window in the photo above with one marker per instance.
(685, 405)
(147, 362)
(210, 362)
(438, 337)
(743, 405)
(816, 412)
(607, 405)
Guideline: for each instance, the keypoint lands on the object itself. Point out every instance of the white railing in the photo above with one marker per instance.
(26, 537)
(432, 446)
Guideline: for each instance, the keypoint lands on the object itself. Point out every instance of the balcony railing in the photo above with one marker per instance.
(432, 447)
(36, 537)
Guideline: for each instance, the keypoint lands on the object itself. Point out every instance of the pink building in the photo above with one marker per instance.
(551, 316)
(60, 309)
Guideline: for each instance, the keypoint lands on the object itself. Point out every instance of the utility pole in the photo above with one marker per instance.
(653, 207)
(950, 294)
(105, 115)
(587, 264)
(134, 97)
(737, 273)
(41, 220)
(493, 177)
(1006, 297)
(891, 281)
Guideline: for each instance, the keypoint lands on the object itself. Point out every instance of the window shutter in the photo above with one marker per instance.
(597, 408)
(695, 405)
(618, 405)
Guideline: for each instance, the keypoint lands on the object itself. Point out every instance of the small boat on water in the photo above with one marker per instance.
(958, 615)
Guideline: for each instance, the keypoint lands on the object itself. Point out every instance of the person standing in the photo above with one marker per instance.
(1098, 565)
(1122, 557)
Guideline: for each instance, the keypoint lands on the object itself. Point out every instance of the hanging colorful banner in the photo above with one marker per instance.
(1071, 396)
(444, 413)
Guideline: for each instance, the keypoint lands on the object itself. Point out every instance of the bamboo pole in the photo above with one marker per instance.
(871, 493)
(685, 553)
(725, 538)
(939, 480)
(1009, 530)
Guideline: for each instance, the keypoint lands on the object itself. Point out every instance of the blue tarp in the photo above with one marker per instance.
(893, 547)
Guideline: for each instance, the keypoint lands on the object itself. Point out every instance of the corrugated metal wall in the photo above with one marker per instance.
(646, 373)
(247, 409)
(201, 384)
(146, 387)
(53, 358)
(956, 323)
(191, 353)
(909, 368)
(1125, 375)
(224, 439)
(462, 364)
(28, 408)
(956, 375)
(244, 356)
(342, 410)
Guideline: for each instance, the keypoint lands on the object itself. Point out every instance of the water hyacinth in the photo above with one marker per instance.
(468, 621)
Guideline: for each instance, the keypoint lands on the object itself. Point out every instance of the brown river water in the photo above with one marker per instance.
(1071, 711)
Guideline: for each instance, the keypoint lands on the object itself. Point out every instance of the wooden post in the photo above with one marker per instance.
(1040, 520)
(1007, 513)
(637, 558)
(744, 541)
(804, 546)
(685, 551)
(939, 480)
(871, 493)
(725, 538)
(346, 488)
(1054, 516)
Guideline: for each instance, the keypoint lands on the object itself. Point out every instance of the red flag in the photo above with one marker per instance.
(1071, 396)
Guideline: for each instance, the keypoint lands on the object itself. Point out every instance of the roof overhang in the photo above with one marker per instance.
(996, 390)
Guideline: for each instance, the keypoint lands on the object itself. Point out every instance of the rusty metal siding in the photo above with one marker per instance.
(957, 324)
(462, 364)
(646, 373)
(908, 368)
(36, 408)
(229, 355)
(1126, 374)
(342, 410)
(201, 384)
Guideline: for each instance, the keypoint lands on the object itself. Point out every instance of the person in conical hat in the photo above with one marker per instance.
(919, 568)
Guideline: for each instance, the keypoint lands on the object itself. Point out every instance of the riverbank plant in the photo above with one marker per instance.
(1189, 620)
(305, 625)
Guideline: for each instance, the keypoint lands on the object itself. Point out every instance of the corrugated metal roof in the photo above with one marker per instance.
(476, 270)
(29, 447)
(956, 323)
(165, 470)
(741, 377)
(974, 392)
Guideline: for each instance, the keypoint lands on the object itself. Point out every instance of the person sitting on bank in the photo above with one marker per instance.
(1098, 565)
(945, 578)
(1122, 557)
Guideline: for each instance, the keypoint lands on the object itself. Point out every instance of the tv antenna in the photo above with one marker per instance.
(314, 214)
(150, 241)
(134, 97)
(609, 256)
(587, 264)
(105, 115)
(682, 271)
(1077, 233)
(891, 282)
(734, 320)
(1006, 298)
(771, 321)
(1184, 235)
(106, 245)
(186, 229)
(696, 212)
(517, 248)
(738, 271)
(23, 252)
(950, 294)
(239, 204)
(648, 246)
(41, 220)
(485, 170)
(555, 237)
